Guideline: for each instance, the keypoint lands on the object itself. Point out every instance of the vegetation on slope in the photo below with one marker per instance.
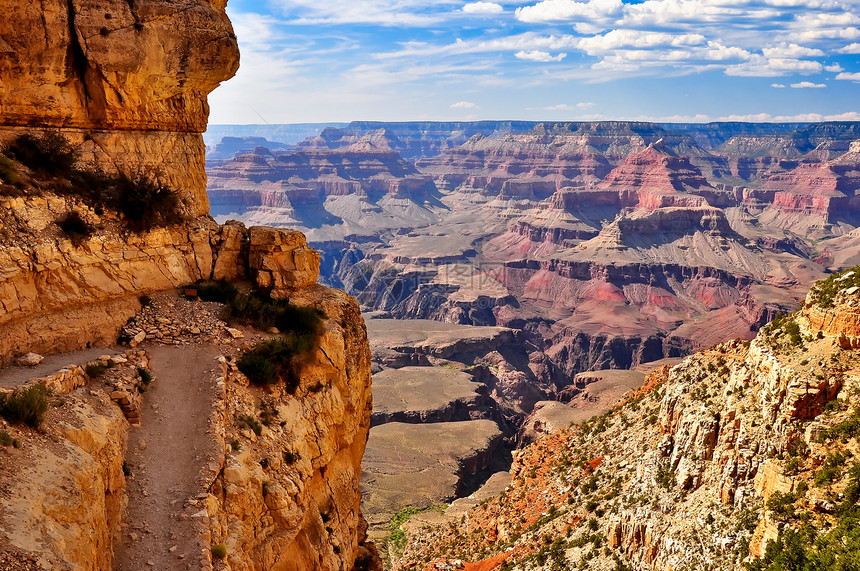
(695, 471)
(279, 359)
(52, 162)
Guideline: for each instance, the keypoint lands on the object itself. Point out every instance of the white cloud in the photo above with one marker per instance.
(808, 85)
(637, 39)
(778, 85)
(799, 118)
(834, 68)
(555, 10)
(568, 107)
(380, 12)
(483, 8)
(762, 67)
(791, 51)
(849, 76)
(538, 55)
(464, 105)
(850, 49)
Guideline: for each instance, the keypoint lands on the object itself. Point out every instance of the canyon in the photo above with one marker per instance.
(731, 459)
(554, 264)
(604, 245)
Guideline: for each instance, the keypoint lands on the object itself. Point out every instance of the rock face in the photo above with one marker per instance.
(288, 498)
(127, 83)
(59, 296)
(67, 500)
(710, 460)
(66, 483)
(127, 80)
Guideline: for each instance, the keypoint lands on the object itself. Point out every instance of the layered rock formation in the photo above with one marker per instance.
(606, 244)
(66, 483)
(707, 463)
(59, 296)
(126, 80)
(126, 83)
(288, 498)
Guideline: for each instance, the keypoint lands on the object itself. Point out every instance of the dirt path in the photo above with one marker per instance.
(166, 455)
(15, 375)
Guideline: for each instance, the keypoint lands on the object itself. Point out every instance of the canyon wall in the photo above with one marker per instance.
(128, 81)
(66, 482)
(736, 446)
(60, 296)
(288, 499)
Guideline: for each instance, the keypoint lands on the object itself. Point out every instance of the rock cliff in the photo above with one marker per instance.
(126, 84)
(706, 465)
(58, 295)
(65, 483)
(127, 80)
(287, 496)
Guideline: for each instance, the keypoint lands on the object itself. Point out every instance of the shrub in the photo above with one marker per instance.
(268, 412)
(219, 551)
(278, 360)
(248, 421)
(95, 369)
(145, 203)
(291, 457)
(49, 154)
(144, 300)
(145, 375)
(8, 172)
(220, 291)
(264, 313)
(25, 405)
(75, 227)
(260, 368)
(5, 439)
(235, 445)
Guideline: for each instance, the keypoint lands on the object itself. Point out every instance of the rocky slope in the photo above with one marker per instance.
(287, 497)
(714, 458)
(63, 485)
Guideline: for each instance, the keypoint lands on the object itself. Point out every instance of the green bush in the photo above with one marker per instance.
(220, 291)
(75, 227)
(278, 360)
(144, 202)
(8, 172)
(49, 154)
(145, 375)
(6, 439)
(248, 421)
(264, 313)
(824, 292)
(95, 369)
(219, 551)
(260, 368)
(25, 405)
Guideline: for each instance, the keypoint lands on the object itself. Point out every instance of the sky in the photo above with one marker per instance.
(550, 60)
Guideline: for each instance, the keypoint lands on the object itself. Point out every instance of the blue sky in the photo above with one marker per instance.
(553, 60)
